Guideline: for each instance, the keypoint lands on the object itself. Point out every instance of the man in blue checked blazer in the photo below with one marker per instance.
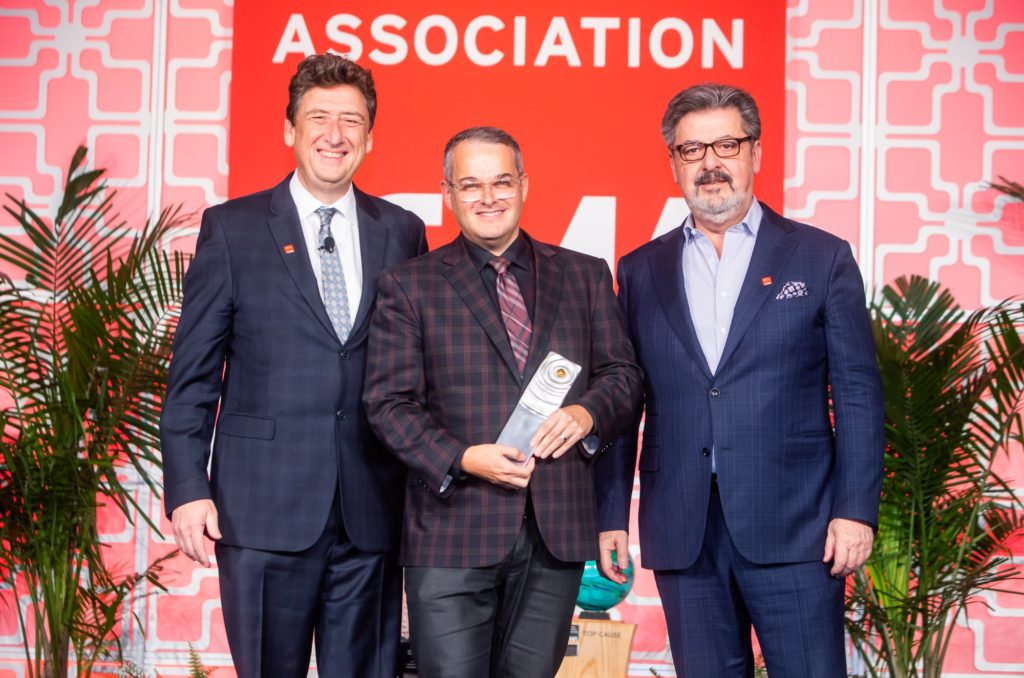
(270, 351)
(753, 509)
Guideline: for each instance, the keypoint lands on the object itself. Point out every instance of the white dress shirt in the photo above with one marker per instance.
(713, 283)
(344, 228)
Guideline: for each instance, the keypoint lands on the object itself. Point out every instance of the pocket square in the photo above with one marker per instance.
(792, 290)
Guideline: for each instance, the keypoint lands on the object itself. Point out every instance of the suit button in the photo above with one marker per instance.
(705, 451)
(345, 355)
(715, 393)
(340, 414)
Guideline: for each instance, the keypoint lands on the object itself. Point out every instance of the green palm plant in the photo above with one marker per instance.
(195, 665)
(953, 384)
(84, 344)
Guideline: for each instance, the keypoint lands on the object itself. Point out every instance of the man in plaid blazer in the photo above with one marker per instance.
(752, 508)
(493, 542)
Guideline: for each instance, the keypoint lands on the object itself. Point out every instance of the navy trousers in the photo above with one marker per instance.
(795, 608)
(276, 603)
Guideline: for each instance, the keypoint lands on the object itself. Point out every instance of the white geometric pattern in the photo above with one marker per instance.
(792, 290)
(899, 113)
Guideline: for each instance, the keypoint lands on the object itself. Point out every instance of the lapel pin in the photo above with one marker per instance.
(289, 248)
(766, 281)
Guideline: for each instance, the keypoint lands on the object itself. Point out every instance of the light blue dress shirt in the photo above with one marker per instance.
(713, 283)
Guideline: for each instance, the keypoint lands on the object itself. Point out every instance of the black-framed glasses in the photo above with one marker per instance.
(501, 189)
(692, 151)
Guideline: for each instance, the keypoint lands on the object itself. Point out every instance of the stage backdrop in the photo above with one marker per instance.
(884, 121)
(583, 93)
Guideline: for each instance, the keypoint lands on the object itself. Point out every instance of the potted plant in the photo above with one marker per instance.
(953, 383)
(84, 345)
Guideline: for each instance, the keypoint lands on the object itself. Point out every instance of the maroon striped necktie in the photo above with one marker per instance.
(513, 311)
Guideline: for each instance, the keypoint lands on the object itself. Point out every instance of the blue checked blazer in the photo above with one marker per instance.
(257, 361)
(800, 328)
(441, 377)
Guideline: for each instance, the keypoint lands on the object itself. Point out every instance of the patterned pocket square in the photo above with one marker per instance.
(792, 290)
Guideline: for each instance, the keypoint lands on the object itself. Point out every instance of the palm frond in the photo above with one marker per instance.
(1010, 188)
(953, 383)
(83, 353)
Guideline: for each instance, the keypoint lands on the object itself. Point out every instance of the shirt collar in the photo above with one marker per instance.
(518, 253)
(307, 204)
(750, 225)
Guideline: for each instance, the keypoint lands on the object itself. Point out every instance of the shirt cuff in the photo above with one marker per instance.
(454, 473)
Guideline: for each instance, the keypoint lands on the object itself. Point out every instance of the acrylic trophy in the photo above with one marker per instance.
(543, 396)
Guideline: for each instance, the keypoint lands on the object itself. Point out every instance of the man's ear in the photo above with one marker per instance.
(446, 193)
(289, 133)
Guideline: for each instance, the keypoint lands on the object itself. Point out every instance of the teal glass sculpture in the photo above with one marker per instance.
(598, 594)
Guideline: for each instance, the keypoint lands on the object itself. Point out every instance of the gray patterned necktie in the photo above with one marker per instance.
(335, 294)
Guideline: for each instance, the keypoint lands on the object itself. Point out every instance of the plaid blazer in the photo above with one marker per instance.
(441, 377)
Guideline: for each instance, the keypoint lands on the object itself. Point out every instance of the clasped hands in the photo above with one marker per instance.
(503, 465)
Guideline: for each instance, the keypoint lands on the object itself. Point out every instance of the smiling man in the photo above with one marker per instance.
(269, 355)
(753, 510)
(494, 538)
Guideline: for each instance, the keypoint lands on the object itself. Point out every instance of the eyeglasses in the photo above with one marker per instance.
(501, 189)
(692, 151)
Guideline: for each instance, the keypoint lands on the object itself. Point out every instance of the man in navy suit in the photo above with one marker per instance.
(302, 499)
(753, 508)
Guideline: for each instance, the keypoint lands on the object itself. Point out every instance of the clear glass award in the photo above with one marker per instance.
(544, 394)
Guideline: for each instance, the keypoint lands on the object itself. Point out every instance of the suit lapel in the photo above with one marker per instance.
(287, 231)
(771, 252)
(548, 275)
(666, 277)
(373, 239)
(461, 272)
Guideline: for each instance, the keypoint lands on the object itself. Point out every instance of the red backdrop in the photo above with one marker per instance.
(582, 92)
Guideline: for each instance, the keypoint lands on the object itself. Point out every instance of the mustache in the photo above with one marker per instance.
(712, 176)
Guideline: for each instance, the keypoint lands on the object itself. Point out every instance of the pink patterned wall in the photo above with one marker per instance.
(898, 114)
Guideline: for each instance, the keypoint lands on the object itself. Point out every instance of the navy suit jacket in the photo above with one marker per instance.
(783, 472)
(257, 360)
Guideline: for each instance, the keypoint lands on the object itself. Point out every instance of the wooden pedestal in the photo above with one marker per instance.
(597, 649)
